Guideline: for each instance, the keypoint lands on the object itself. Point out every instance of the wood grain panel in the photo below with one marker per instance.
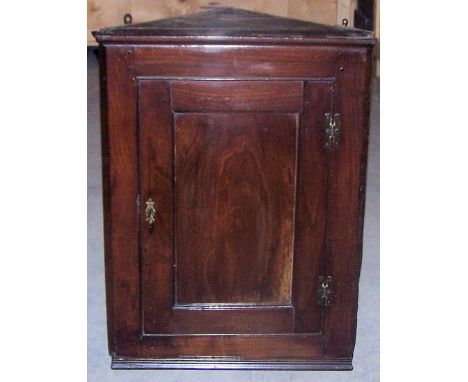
(156, 177)
(235, 61)
(234, 202)
(213, 96)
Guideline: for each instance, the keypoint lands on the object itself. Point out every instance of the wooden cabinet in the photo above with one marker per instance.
(234, 157)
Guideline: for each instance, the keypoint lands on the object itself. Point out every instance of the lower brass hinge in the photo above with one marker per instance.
(332, 131)
(325, 290)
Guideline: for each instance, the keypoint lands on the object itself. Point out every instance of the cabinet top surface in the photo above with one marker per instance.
(236, 26)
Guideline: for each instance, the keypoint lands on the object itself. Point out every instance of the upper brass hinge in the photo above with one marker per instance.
(332, 131)
(325, 290)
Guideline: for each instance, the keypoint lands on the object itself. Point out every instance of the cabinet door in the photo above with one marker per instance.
(238, 175)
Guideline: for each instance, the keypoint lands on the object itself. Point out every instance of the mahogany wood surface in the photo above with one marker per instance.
(234, 207)
(228, 272)
(347, 178)
(250, 206)
(235, 61)
(212, 96)
(156, 181)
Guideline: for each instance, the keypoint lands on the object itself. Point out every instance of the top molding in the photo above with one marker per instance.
(236, 26)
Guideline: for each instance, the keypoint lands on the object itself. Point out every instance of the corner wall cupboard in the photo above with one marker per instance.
(234, 163)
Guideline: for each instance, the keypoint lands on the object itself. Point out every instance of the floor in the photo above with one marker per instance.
(366, 357)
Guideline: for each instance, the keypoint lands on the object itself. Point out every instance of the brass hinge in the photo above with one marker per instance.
(332, 131)
(325, 290)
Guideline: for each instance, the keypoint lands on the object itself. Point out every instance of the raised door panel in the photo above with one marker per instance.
(235, 207)
(239, 185)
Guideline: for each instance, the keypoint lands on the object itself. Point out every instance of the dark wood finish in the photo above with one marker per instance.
(251, 208)
(105, 160)
(347, 174)
(264, 348)
(240, 320)
(212, 96)
(234, 177)
(235, 207)
(156, 180)
(120, 185)
(229, 61)
(311, 214)
(228, 25)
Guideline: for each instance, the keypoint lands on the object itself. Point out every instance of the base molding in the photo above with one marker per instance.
(126, 363)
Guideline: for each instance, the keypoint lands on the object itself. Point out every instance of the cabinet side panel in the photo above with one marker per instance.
(122, 195)
(346, 200)
(106, 197)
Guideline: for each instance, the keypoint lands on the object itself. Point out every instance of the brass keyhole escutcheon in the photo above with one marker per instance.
(150, 213)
